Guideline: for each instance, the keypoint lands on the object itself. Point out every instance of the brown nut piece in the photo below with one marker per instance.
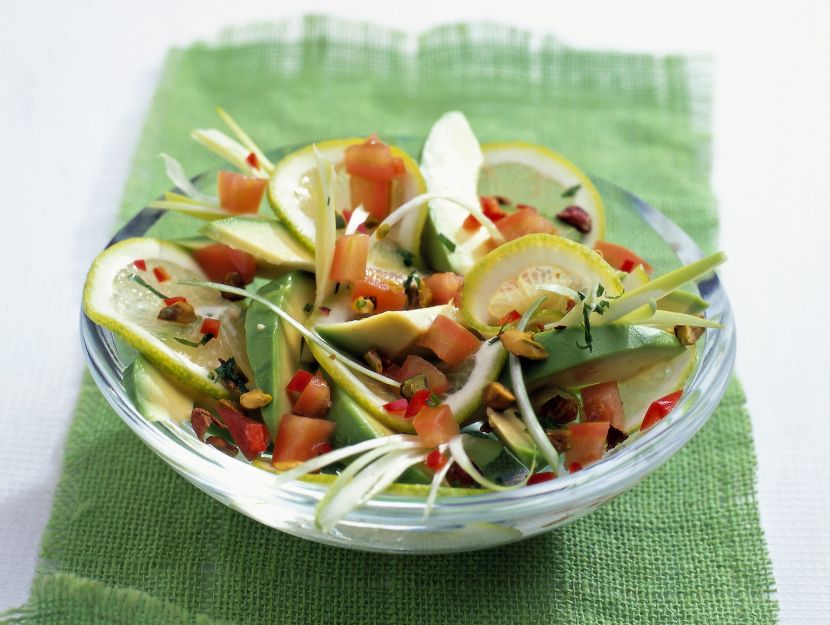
(178, 312)
(373, 359)
(521, 344)
(560, 409)
(577, 217)
(222, 445)
(254, 399)
(560, 439)
(200, 419)
(412, 385)
(234, 278)
(498, 396)
(688, 335)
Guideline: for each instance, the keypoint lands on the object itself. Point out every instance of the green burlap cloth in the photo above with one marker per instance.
(131, 542)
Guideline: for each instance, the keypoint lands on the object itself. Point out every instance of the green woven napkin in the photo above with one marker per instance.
(131, 542)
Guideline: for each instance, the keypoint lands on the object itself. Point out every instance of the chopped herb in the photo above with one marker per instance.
(336, 287)
(140, 281)
(413, 275)
(231, 376)
(407, 256)
(433, 400)
(308, 307)
(339, 221)
(571, 191)
(446, 242)
(600, 290)
(586, 324)
(186, 342)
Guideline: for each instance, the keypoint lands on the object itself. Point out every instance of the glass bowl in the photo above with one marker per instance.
(396, 523)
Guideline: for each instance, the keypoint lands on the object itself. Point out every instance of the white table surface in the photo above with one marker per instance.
(76, 83)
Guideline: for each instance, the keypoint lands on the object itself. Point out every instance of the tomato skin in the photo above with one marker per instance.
(435, 425)
(660, 408)
(620, 257)
(602, 402)
(449, 341)
(240, 194)
(444, 286)
(350, 255)
(525, 221)
(587, 442)
(301, 438)
(250, 436)
(315, 399)
(218, 260)
(413, 365)
(372, 160)
(385, 287)
(374, 195)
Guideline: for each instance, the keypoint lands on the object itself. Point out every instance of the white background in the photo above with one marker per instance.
(75, 84)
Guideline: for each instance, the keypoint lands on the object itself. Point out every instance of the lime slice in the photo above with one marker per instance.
(125, 299)
(658, 381)
(294, 192)
(507, 278)
(156, 396)
(268, 241)
(531, 174)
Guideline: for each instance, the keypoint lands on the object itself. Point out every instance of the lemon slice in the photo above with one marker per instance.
(507, 278)
(531, 174)
(119, 296)
(294, 192)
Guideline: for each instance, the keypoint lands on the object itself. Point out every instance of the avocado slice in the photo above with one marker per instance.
(619, 352)
(683, 302)
(355, 425)
(273, 347)
(392, 332)
(267, 240)
(513, 433)
(157, 397)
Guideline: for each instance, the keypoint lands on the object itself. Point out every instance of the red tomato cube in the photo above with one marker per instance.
(384, 287)
(602, 402)
(240, 194)
(315, 399)
(374, 195)
(414, 365)
(435, 425)
(525, 221)
(300, 438)
(451, 342)
(620, 257)
(218, 261)
(587, 442)
(250, 436)
(350, 255)
(444, 286)
(372, 160)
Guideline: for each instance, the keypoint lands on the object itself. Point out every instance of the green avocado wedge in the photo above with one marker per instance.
(619, 352)
(512, 432)
(155, 396)
(273, 347)
(267, 240)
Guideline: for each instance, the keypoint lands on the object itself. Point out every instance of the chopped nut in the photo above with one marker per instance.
(560, 439)
(503, 201)
(222, 445)
(498, 396)
(615, 437)
(178, 312)
(364, 305)
(233, 278)
(560, 409)
(373, 359)
(521, 344)
(412, 385)
(383, 231)
(255, 399)
(577, 217)
(418, 294)
(200, 419)
(688, 335)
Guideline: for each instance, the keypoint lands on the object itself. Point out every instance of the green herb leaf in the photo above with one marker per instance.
(140, 281)
(571, 191)
(407, 256)
(229, 373)
(433, 400)
(339, 221)
(450, 245)
(412, 277)
(189, 343)
(308, 307)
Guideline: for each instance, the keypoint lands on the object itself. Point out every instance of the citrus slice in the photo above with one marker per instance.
(126, 296)
(294, 192)
(507, 278)
(524, 173)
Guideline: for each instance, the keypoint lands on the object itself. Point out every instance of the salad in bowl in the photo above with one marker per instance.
(346, 317)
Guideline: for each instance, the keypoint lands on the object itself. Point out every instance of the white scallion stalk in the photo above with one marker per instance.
(437, 479)
(559, 289)
(305, 332)
(326, 227)
(232, 151)
(531, 421)
(245, 140)
(175, 172)
(359, 216)
(459, 454)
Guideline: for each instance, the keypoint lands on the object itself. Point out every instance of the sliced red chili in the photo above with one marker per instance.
(627, 265)
(435, 460)
(399, 405)
(513, 315)
(538, 478)
(298, 383)
(418, 401)
(172, 300)
(660, 408)
(210, 326)
(161, 274)
(141, 264)
(252, 160)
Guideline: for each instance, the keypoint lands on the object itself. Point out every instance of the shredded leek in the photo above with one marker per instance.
(359, 216)
(326, 227)
(175, 172)
(437, 479)
(459, 454)
(245, 140)
(232, 151)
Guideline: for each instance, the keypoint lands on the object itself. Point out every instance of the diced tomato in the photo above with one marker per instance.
(141, 264)
(218, 261)
(538, 478)
(252, 160)
(298, 383)
(299, 438)
(602, 402)
(172, 300)
(435, 425)
(620, 257)
(315, 399)
(491, 208)
(374, 195)
(322, 448)
(524, 221)
(414, 365)
(386, 288)
(240, 194)
(435, 460)
(372, 160)
(418, 401)
(444, 286)
(399, 406)
(210, 326)
(513, 315)
(250, 436)
(450, 341)
(587, 442)
(161, 274)
(349, 261)
(660, 409)
(574, 467)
